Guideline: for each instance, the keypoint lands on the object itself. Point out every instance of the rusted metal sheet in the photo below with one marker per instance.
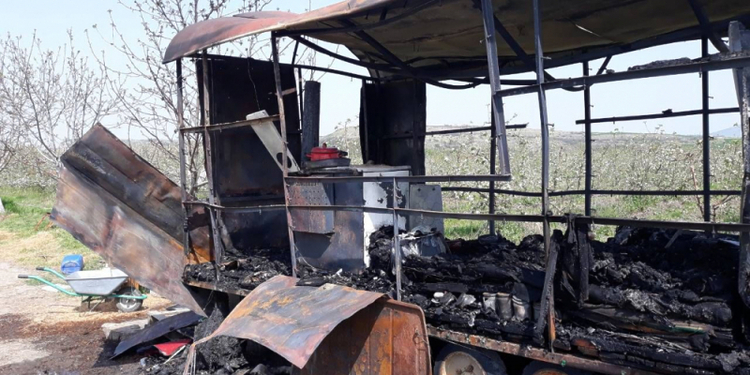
(216, 31)
(344, 248)
(101, 158)
(446, 31)
(300, 323)
(157, 330)
(396, 109)
(121, 207)
(242, 176)
(386, 338)
(314, 194)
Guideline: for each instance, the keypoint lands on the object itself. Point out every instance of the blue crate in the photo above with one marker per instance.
(72, 263)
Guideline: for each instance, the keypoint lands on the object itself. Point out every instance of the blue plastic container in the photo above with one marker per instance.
(71, 263)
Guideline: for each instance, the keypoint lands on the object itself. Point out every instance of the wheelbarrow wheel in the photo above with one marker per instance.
(129, 304)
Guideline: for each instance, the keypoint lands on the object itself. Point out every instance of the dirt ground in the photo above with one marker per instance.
(44, 332)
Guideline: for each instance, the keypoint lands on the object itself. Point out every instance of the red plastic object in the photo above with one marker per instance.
(325, 153)
(168, 348)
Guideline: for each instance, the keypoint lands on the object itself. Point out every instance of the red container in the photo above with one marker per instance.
(325, 153)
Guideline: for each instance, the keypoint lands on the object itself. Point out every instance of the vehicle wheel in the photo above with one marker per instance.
(458, 360)
(129, 304)
(542, 368)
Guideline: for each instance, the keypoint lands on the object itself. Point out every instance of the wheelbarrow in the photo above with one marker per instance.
(100, 285)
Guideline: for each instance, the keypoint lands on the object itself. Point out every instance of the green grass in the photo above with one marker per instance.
(455, 229)
(27, 237)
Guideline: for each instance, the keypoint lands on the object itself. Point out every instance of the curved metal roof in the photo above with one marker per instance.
(448, 33)
(216, 31)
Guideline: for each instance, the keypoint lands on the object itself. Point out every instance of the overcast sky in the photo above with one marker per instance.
(340, 101)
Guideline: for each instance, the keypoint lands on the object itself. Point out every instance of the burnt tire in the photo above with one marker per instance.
(454, 359)
(542, 368)
(129, 304)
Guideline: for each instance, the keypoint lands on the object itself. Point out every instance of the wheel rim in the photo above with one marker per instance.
(460, 363)
(128, 302)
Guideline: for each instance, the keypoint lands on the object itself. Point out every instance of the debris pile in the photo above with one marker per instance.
(245, 272)
(661, 299)
(221, 355)
(646, 298)
(488, 286)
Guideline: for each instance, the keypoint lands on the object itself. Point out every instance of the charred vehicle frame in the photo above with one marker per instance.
(246, 131)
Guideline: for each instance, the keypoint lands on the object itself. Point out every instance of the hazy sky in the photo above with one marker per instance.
(340, 100)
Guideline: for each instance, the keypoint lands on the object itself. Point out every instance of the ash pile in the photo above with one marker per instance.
(647, 298)
(487, 286)
(655, 299)
(242, 271)
(661, 299)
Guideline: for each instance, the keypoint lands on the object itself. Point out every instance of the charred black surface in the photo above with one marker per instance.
(223, 355)
(647, 298)
(245, 272)
(450, 287)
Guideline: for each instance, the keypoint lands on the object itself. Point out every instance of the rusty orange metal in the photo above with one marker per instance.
(385, 338)
(332, 329)
(122, 208)
(439, 33)
(213, 32)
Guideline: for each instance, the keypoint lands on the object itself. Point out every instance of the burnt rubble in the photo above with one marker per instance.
(222, 355)
(646, 298)
(242, 272)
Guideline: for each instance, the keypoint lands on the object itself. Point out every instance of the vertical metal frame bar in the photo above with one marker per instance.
(498, 112)
(743, 83)
(415, 137)
(396, 239)
(493, 170)
(548, 291)
(587, 142)
(209, 165)
(181, 143)
(365, 135)
(285, 154)
(706, 136)
(739, 41)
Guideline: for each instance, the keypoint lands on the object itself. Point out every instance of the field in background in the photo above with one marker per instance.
(621, 162)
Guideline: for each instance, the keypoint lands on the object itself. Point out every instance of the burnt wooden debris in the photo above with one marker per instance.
(655, 299)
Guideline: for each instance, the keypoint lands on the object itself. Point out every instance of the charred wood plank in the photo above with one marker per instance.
(715, 313)
(613, 345)
(547, 301)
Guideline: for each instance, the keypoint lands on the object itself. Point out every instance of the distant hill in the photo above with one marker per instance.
(733, 132)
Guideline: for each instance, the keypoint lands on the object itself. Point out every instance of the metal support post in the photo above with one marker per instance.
(396, 239)
(548, 291)
(739, 41)
(285, 154)
(311, 120)
(209, 166)
(587, 136)
(706, 137)
(493, 170)
(498, 112)
(181, 143)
